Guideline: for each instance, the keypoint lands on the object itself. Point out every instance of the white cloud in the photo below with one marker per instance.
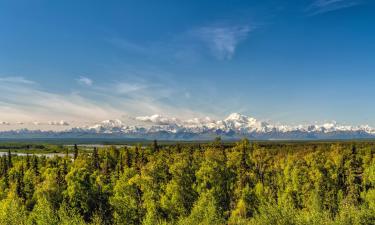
(157, 119)
(222, 40)
(85, 81)
(162, 120)
(58, 123)
(324, 6)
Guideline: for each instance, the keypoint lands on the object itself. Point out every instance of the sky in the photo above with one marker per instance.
(284, 61)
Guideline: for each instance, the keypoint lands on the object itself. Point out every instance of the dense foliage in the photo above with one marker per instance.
(216, 183)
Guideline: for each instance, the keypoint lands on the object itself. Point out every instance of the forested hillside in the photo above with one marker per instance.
(215, 183)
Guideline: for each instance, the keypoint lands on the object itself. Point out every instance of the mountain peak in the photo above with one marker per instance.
(234, 126)
(236, 116)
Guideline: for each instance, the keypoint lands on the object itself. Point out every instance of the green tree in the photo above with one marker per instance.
(43, 213)
(215, 177)
(204, 212)
(79, 191)
(12, 211)
(179, 194)
(127, 198)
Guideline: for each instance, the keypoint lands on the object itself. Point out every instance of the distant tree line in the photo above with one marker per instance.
(215, 183)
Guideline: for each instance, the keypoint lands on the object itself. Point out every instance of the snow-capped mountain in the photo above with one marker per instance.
(232, 127)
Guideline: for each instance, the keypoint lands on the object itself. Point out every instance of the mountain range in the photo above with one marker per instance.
(235, 126)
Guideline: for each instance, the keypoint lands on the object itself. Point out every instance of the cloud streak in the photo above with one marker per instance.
(325, 6)
(15, 80)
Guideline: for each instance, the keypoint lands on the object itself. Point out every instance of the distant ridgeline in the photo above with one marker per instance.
(234, 127)
(263, 183)
(187, 135)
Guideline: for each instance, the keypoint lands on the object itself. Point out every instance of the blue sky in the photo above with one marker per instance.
(284, 61)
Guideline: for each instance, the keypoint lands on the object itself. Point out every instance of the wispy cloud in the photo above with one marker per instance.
(324, 6)
(190, 45)
(24, 101)
(127, 87)
(84, 81)
(27, 101)
(222, 40)
(19, 80)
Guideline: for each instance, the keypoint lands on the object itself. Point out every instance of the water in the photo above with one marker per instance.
(48, 155)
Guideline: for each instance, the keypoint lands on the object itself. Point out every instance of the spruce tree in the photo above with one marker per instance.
(95, 159)
(9, 159)
(75, 151)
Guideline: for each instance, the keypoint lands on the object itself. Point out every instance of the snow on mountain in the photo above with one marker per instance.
(108, 126)
(235, 125)
(235, 122)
